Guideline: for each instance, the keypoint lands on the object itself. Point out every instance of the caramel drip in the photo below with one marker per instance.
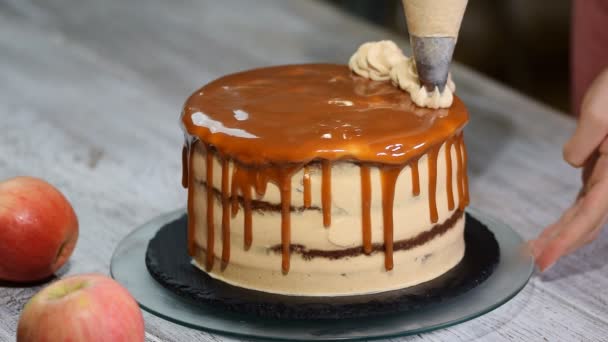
(306, 185)
(285, 188)
(415, 177)
(189, 184)
(465, 178)
(459, 175)
(389, 175)
(234, 188)
(432, 161)
(261, 181)
(225, 214)
(247, 229)
(366, 201)
(210, 228)
(185, 171)
(243, 180)
(448, 163)
(326, 192)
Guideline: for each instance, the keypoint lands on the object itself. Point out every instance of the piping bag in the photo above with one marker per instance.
(433, 26)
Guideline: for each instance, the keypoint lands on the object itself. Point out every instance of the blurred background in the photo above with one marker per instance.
(522, 43)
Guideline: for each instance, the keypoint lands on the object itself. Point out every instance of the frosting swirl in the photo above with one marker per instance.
(405, 76)
(383, 60)
(374, 60)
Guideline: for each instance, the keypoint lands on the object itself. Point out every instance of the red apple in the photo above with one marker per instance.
(88, 307)
(38, 229)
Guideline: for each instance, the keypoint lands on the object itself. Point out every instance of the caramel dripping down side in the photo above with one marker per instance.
(449, 185)
(284, 182)
(432, 162)
(459, 174)
(187, 182)
(225, 214)
(415, 177)
(210, 226)
(307, 188)
(366, 201)
(185, 166)
(244, 179)
(388, 178)
(465, 178)
(326, 192)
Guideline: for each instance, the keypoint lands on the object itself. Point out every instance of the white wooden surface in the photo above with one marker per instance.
(90, 93)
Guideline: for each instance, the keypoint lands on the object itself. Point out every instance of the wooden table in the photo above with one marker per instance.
(90, 93)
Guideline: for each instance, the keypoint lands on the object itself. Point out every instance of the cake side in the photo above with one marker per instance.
(337, 255)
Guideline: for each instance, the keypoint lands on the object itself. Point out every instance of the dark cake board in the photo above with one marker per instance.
(168, 262)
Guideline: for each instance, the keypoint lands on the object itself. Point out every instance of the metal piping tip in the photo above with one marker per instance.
(433, 56)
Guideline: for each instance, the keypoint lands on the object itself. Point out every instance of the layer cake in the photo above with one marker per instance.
(311, 180)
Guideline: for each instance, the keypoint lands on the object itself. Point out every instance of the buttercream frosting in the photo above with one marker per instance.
(383, 60)
(375, 60)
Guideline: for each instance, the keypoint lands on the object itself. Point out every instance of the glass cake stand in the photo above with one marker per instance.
(510, 276)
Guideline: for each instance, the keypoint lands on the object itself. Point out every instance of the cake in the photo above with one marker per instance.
(311, 180)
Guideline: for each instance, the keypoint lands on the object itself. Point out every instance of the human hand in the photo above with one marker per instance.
(588, 148)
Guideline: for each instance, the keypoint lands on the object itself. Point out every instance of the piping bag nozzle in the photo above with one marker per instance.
(433, 56)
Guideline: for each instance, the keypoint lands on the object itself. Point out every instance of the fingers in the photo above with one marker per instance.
(588, 170)
(596, 171)
(588, 219)
(553, 230)
(592, 128)
(549, 233)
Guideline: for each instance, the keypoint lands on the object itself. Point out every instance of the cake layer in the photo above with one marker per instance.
(345, 276)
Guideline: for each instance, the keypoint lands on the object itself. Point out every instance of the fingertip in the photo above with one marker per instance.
(545, 261)
(533, 248)
(546, 267)
(551, 254)
(571, 154)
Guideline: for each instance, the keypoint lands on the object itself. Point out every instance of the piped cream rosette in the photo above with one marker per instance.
(383, 61)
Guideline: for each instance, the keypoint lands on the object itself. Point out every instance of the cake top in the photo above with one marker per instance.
(298, 113)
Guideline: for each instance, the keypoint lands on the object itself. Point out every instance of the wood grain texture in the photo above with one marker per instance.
(90, 93)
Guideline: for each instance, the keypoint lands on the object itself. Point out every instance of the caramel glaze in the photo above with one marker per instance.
(272, 122)
(465, 177)
(366, 203)
(189, 182)
(448, 167)
(225, 214)
(326, 192)
(306, 187)
(210, 228)
(415, 177)
(459, 174)
(388, 177)
(432, 161)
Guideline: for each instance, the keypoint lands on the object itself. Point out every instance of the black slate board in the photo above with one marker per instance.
(168, 263)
